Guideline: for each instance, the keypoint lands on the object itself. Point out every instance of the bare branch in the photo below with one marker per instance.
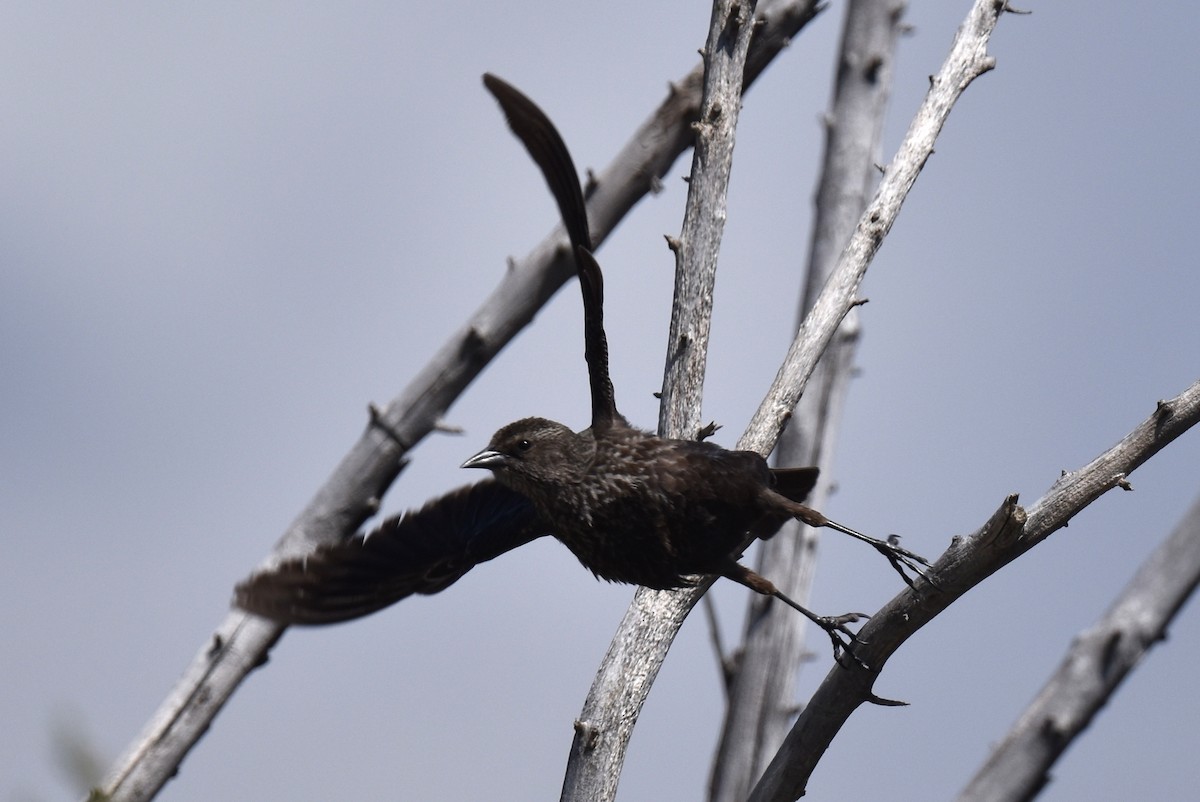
(603, 729)
(699, 243)
(968, 60)
(760, 704)
(1097, 663)
(653, 618)
(1009, 533)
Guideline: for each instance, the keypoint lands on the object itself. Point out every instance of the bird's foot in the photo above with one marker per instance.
(902, 558)
(844, 639)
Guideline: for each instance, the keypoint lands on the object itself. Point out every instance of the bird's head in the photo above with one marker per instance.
(534, 453)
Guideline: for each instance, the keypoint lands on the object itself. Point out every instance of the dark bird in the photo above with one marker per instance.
(633, 507)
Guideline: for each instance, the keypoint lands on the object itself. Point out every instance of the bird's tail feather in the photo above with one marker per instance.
(795, 483)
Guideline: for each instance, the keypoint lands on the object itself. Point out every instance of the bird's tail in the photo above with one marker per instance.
(794, 483)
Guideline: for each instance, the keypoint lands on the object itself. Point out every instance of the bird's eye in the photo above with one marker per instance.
(524, 445)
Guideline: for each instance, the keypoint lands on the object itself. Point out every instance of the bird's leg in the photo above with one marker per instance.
(842, 636)
(900, 558)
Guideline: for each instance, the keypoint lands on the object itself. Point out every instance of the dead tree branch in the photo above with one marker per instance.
(1096, 664)
(761, 698)
(699, 242)
(602, 731)
(1010, 532)
(653, 618)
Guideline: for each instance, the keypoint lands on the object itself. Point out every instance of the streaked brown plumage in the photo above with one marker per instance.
(638, 508)
(633, 507)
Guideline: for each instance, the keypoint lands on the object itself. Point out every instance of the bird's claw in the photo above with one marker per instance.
(844, 639)
(902, 558)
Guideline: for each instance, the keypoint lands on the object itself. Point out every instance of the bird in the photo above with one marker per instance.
(633, 507)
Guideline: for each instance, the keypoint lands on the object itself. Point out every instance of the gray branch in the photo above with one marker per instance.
(1009, 533)
(351, 494)
(611, 709)
(760, 703)
(699, 242)
(1097, 663)
(653, 618)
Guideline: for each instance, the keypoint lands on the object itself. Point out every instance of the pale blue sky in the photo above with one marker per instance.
(225, 229)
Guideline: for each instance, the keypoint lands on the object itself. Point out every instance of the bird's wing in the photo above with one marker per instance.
(423, 551)
(549, 152)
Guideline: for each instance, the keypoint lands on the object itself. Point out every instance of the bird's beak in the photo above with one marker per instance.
(485, 459)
